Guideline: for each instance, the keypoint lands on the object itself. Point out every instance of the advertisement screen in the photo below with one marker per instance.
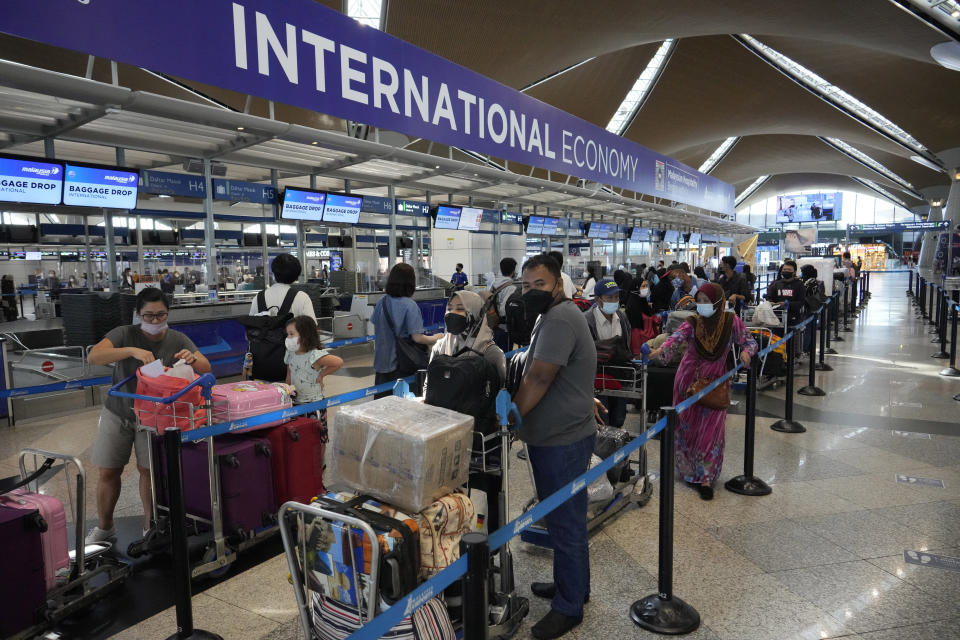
(29, 181)
(470, 218)
(813, 207)
(447, 218)
(342, 208)
(302, 205)
(94, 187)
(799, 240)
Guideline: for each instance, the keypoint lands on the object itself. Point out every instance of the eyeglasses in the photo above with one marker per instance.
(151, 317)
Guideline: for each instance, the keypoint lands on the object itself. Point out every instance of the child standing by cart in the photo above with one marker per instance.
(308, 363)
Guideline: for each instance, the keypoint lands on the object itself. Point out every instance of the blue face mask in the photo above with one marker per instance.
(610, 308)
(705, 309)
(677, 283)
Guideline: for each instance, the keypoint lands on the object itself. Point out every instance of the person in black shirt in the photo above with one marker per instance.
(788, 288)
(735, 286)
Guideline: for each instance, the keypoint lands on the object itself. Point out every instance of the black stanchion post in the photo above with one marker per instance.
(475, 595)
(930, 296)
(951, 371)
(846, 308)
(836, 318)
(942, 303)
(828, 312)
(812, 389)
(922, 291)
(788, 424)
(823, 325)
(663, 612)
(910, 284)
(749, 484)
(182, 594)
(936, 301)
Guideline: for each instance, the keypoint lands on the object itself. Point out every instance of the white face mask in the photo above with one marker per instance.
(644, 293)
(153, 329)
(705, 309)
(292, 344)
(586, 275)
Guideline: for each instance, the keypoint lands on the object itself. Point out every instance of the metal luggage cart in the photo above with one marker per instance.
(763, 331)
(624, 381)
(219, 550)
(94, 570)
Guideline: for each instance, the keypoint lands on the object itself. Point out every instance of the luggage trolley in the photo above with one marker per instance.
(768, 374)
(219, 550)
(634, 485)
(94, 569)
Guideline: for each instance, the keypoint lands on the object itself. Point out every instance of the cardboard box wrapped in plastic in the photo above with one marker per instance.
(399, 450)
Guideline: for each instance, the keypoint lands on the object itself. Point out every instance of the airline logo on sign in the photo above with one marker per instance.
(27, 181)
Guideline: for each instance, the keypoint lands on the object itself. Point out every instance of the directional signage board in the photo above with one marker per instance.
(895, 227)
(302, 53)
(172, 184)
(240, 191)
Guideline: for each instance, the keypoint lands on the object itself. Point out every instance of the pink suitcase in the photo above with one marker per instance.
(249, 398)
(56, 550)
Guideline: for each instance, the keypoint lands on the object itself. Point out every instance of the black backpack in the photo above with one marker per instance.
(494, 319)
(519, 326)
(465, 382)
(266, 336)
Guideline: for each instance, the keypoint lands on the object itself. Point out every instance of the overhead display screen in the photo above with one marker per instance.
(30, 181)
(813, 207)
(447, 218)
(694, 239)
(640, 234)
(96, 187)
(599, 230)
(543, 226)
(342, 208)
(470, 218)
(671, 235)
(303, 205)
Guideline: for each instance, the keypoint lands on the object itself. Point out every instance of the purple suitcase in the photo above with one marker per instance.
(247, 500)
(23, 589)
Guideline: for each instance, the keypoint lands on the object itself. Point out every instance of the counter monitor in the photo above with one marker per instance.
(299, 204)
(470, 219)
(447, 218)
(340, 208)
(30, 181)
(108, 188)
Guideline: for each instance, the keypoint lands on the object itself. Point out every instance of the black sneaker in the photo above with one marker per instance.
(706, 491)
(547, 590)
(554, 625)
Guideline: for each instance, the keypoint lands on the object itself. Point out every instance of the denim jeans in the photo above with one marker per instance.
(554, 467)
(616, 410)
(502, 339)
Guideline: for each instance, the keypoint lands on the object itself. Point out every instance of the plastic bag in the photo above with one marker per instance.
(764, 315)
(600, 490)
(181, 369)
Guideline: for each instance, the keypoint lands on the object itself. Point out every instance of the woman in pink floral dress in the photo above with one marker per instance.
(708, 337)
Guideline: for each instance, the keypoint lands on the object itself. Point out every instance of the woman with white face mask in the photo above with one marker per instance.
(708, 338)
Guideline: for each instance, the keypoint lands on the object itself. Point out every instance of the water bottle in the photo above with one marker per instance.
(247, 366)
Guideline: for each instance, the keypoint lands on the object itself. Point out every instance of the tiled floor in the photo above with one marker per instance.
(821, 557)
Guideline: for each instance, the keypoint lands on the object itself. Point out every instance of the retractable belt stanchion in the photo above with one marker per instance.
(930, 317)
(829, 312)
(475, 595)
(942, 303)
(846, 308)
(662, 612)
(788, 424)
(952, 371)
(836, 317)
(181, 558)
(823, 325)
(812, 389)
(923, 297)
(910, 284)
(749, 484)
(854, 300)
(935, 302)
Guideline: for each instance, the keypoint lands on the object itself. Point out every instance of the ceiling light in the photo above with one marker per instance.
(864, 159)
(239, 128)
(870, 184)
(955, 14)
(926, 163)
(631, 104)
(314, 142)
(718, 155)
(366, 12)
(749, 190)
(436, 166)
(163, 195)
(829, 92)
(956, 173)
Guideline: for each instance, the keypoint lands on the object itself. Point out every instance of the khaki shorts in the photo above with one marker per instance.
(115, 437)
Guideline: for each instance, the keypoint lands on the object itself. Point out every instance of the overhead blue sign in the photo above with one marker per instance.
(302, 53)
(412, 208)
(93, 187)
(512, 217)
(239, 191)
(172, 184)
(376, 204)
(30, 181)
(899, 226)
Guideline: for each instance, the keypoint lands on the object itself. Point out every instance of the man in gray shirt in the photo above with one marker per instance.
(129, 347)
(559, 426)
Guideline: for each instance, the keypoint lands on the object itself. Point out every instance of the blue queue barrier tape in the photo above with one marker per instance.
(53, 386)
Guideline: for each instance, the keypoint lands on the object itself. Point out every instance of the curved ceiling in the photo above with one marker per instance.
(794, 182)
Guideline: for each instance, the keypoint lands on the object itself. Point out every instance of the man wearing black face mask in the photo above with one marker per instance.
(559, 426)
(788, 288)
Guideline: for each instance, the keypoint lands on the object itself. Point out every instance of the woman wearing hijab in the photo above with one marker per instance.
(469, 336)
(709, 336)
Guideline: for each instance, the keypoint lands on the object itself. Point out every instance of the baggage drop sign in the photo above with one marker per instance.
(29, 181)
(105, 188)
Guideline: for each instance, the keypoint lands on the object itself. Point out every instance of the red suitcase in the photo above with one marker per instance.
(56, 549)
(298, 447)
(23, 589)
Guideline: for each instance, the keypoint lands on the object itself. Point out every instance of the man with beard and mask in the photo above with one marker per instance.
(560, 414)
(130, 347)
